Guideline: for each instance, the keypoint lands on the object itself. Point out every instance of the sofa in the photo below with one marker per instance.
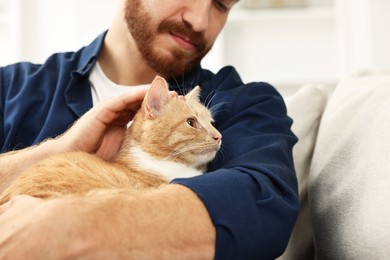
(342, 161)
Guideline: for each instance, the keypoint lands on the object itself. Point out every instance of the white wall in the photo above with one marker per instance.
(364, 34)
(48, 26)
(285, 47)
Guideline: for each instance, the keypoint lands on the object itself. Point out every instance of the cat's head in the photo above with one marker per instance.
(175, 128)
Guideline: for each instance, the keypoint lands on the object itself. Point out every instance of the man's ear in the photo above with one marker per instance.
(194, 94)
(156, 96)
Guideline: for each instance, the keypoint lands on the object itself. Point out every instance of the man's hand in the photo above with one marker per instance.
(102, 129)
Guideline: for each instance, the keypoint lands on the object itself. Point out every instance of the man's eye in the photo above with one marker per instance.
(221, 6)
(224, 5)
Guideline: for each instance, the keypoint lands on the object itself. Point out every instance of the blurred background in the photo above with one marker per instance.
(285, 42)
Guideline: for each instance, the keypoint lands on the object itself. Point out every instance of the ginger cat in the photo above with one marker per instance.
(170, 137)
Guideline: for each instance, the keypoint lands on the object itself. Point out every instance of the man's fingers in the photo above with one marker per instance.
(113, 108)
(126, 101)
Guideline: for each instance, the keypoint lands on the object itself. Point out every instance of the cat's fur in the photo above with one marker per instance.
(171, 136)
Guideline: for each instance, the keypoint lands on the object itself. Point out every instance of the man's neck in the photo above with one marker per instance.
(120, 59)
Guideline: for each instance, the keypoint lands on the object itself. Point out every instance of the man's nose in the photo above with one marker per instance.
(197, 14)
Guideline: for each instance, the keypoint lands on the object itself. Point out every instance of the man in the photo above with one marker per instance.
(243, 208)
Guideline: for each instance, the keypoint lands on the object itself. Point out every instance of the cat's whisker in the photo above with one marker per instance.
(183, 83)
(186, 89)
(177, 84)
(214, 109)
(221, 152)
(209, 99)
(185, 149)
(181, 87)
(182, 150)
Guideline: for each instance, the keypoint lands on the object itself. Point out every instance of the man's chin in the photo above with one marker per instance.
(174, 68)
(171, 63)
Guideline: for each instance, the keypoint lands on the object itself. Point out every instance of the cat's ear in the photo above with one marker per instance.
(194, 94)
(156, 96)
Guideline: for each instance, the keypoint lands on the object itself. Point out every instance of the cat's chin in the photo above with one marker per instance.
(206, 157)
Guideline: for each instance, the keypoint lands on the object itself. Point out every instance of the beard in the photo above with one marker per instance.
(177, 61)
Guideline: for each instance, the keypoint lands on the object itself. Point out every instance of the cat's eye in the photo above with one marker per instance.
(191, 122)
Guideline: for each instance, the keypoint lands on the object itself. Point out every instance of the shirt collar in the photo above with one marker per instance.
(89, 55)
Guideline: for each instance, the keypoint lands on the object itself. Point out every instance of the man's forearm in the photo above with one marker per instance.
(169, 223)
(13, 163)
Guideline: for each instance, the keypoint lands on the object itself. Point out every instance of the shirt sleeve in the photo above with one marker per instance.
(250, 190)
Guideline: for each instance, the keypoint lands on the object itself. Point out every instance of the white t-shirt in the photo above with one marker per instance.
(103, 88)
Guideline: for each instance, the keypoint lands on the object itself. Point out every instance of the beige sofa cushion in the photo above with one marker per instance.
(349, 187)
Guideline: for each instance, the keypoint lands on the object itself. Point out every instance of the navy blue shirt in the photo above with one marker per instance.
(250, 190)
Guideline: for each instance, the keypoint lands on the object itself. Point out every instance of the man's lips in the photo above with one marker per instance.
(184, 42)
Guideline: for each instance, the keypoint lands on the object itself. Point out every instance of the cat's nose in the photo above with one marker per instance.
(218, 138)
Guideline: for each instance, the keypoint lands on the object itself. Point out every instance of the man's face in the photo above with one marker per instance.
(174, 35)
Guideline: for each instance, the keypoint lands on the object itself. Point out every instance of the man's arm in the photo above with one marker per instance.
(101, 130)
(13, 163)
(169, 223)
